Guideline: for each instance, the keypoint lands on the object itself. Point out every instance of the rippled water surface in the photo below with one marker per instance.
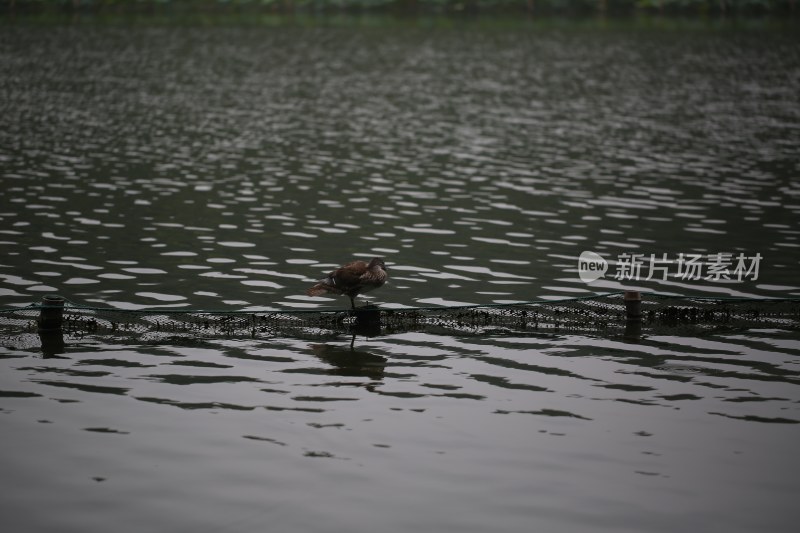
(227, 168)
(551, 433)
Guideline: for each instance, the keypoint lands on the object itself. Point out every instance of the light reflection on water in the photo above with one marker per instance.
(557, 432)
(480, 164)
(228, 168)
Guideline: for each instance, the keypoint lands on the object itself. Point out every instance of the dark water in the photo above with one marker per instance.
(227, 168)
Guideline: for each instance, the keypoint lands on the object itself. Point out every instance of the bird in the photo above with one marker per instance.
(352, 279)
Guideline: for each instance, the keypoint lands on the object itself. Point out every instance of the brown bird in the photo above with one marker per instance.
(352, 279)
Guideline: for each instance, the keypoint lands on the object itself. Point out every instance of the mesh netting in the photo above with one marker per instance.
(597, 315)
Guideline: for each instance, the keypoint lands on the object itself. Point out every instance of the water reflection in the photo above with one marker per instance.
(399, 405)
(347, 361)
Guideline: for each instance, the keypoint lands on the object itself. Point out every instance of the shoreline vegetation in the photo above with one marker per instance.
(684, 9)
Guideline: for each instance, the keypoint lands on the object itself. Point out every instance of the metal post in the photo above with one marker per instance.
(633, 315)
(633, 306)
(51, 314)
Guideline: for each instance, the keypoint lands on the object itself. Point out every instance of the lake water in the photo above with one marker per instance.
(227, 167)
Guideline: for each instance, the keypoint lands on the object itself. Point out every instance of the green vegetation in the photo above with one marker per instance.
(531, 7)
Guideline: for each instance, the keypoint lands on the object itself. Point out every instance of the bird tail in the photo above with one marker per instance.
(317, 290)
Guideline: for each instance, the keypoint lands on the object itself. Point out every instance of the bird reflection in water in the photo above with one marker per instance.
(349, 361)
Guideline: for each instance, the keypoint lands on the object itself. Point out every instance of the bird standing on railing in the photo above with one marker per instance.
(352, 279)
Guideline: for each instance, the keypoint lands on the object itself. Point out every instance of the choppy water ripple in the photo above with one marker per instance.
(228, 168)
(185, 162)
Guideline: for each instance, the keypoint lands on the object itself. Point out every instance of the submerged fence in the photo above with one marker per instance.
(626, 313)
